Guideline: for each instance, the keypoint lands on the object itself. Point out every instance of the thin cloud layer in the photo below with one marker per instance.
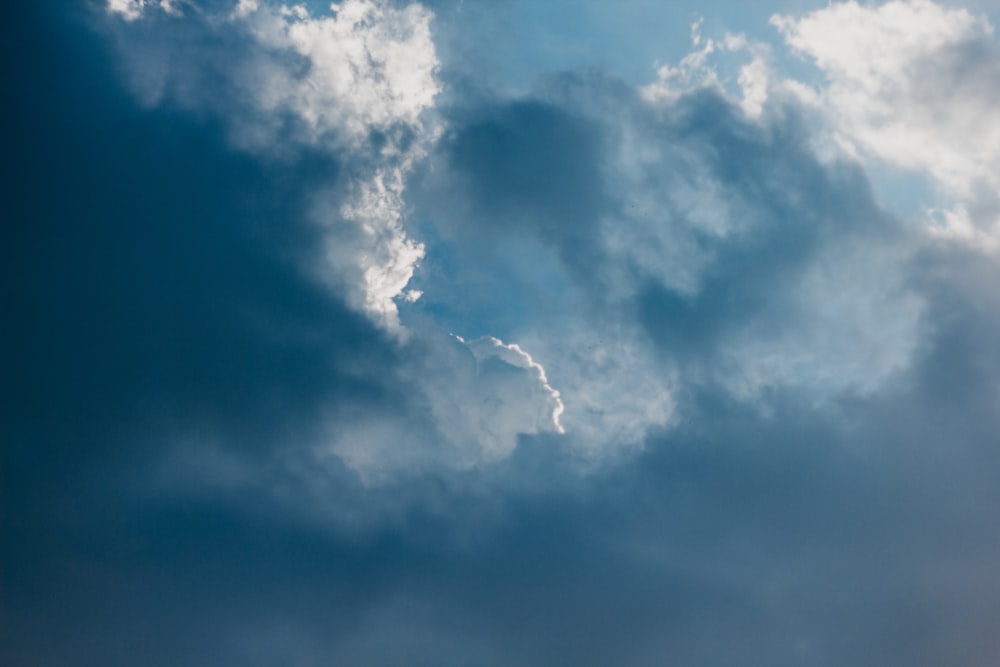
(327, 345)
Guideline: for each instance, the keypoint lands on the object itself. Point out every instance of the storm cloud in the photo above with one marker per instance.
(319, 349)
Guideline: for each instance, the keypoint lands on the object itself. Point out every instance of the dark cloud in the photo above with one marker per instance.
(167, 365)
(687, 225)
(537, 165)
(151, 292)
(791, 209)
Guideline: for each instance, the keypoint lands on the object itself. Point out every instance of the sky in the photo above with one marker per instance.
(509, 332)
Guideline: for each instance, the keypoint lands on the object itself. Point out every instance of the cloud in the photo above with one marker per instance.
(912, 83)
(474, 401)
(512, 354)
(370, 67)
(672, 263)
(367, 254)
(356, 83)
(700, 70)
(784, 396)
(130, 10)
(705, 246)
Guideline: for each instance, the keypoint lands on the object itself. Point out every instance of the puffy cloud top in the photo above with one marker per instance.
(915, 84)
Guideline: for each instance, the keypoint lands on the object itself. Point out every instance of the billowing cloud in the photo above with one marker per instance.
(636, 203)
(369, 67)
(915, 84)
(474, 400)
(324, 350)
(356, 83)
(359, 84)
(707, 246)
(130, 10)
(905, 81)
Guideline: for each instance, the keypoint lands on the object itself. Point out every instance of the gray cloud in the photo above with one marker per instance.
(174, 376)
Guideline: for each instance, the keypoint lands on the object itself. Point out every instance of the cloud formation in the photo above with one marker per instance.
(915, 84)
(320, 351)
(356, 83)
(472, 402)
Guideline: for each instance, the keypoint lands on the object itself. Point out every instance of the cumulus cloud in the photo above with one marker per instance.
(912, 83)
(794, 285)
(475, 400)
(372, 256)
(212, 457)
(370, 67)
(356, 83)
(908, 84)
(710, 65)
(512, 354)
(714, 247)
(615, 392)
(677, 224)
(129, 9)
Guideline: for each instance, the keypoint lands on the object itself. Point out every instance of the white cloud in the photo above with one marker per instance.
(912, 83)
(371, 256)
(356, 83)
(700, 68)
(478, 398)
(170, 7)
(956, 224)
(614, 388)
(753, 81)
(129, 10)
(370, 66)
(489, 347)
(371, 69)
(690, 73)
(246, 7)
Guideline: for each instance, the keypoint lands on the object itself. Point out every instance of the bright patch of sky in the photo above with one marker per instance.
(525, 39)
(627, 38)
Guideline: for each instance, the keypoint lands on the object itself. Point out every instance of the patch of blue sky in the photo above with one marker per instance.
(477, 285)
(526, 38)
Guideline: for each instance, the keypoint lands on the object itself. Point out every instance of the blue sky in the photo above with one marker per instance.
(500, 333)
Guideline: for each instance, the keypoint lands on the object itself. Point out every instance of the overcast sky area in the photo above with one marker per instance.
(500, 332)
